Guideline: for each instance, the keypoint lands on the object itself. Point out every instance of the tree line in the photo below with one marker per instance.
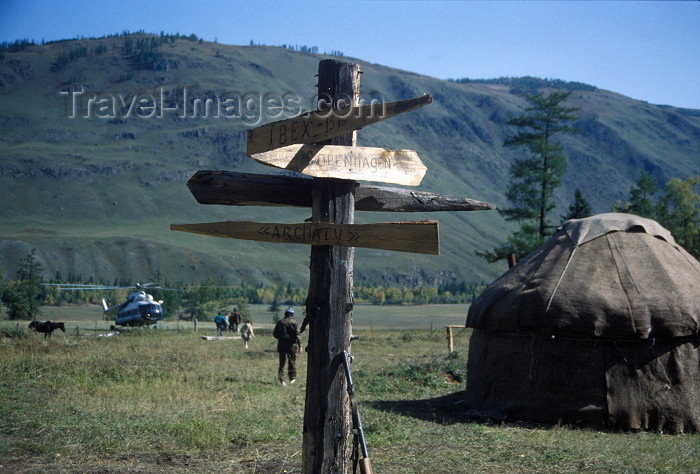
(24, 294)
(528, 83)
(143, 51)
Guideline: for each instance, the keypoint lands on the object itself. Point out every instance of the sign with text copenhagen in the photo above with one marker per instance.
(415, 237)
(314, 127)
(348, 162)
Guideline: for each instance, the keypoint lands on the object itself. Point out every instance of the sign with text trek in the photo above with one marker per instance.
(317, 126)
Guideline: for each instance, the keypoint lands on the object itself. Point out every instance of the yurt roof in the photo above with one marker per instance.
(611, 276)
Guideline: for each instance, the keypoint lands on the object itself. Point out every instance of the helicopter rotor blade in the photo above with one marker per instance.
(142, 286)
(79, 286)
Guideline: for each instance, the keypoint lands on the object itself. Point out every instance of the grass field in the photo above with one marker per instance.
(168, 401)
(364, 316)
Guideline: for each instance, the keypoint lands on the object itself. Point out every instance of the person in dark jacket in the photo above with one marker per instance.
(288, 344)
(234, 320)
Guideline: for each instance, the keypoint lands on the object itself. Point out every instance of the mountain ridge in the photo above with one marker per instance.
(95, 195)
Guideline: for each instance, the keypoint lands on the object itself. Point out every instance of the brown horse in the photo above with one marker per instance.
(47, 328)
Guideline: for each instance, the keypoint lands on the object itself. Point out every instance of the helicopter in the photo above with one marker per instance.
(139, 309)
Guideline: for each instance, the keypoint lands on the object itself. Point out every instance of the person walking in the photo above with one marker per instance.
(235, 320)
(247, 332)
(288, 344)
(220, 322)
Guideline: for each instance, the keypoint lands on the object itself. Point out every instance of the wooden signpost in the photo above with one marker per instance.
(245, 189)
(331, 161)
(414, 237)
(315, 127)
(322, 144)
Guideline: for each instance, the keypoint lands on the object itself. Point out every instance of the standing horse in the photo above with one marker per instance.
(47, 328)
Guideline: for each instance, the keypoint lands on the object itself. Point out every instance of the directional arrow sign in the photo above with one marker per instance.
(314, 127)
(348, 162)
(415, 237)
(246, 189)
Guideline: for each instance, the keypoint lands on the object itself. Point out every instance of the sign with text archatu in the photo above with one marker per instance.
(348, 162)
(415, 237)
(317, 126)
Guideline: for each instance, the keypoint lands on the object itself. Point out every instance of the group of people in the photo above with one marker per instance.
(286, 332)
(233, 323)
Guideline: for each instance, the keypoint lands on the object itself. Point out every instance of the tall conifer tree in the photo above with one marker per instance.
(534, 178)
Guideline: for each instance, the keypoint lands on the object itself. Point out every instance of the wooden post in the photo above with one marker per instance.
(450, 343)
(329, 300)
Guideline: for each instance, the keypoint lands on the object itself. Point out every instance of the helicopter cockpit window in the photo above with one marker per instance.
(150, 311)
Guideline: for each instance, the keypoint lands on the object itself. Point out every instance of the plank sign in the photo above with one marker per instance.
(313, 127)
(415, 237)
(348, 162)
(246, 189)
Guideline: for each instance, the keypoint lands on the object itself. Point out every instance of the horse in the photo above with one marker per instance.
(47, 328)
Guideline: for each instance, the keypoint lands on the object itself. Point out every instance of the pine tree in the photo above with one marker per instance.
(641, 196)
(578, 209)
(533, 179)
(22, 296)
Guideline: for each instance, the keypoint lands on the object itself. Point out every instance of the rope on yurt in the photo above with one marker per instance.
(561, 277)
(629, 270)
(535, 354)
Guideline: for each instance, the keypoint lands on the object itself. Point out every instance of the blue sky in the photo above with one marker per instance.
(645, 50)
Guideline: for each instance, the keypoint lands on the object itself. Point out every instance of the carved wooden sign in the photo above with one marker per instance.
(361, 163)
(317, 126)
(231, 188)
(415, 237)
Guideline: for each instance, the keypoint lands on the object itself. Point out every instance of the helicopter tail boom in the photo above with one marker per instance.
(107, 309)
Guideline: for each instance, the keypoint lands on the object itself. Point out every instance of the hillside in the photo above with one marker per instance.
(94, 186)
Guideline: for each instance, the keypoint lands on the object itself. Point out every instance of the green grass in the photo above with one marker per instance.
(366, 316)
(149, 400)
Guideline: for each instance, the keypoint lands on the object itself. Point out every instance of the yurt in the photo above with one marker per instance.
(600, 326)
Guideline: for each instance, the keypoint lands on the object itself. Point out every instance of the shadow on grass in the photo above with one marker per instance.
(446, 410)
(450, 409)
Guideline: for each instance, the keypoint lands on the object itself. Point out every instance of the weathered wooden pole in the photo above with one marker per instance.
(329, 300)
(450, 343)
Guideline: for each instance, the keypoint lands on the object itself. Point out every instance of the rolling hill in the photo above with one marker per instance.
(99, 138)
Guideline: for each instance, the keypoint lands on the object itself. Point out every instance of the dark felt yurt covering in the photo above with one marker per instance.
(599, 326)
